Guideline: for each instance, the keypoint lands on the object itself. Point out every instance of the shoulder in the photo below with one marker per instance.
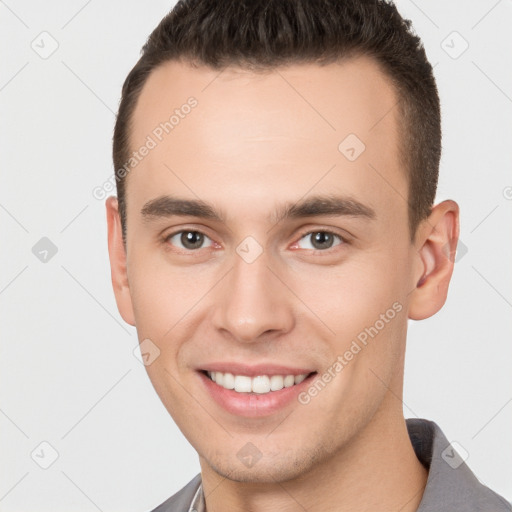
(451, 485)
(180, 501)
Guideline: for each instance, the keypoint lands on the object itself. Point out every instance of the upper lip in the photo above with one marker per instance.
(255, 370)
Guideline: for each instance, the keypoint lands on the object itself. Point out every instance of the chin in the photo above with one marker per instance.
(275, 469)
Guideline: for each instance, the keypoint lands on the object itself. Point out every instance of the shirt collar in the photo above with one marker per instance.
(198, 504)
(450, 484)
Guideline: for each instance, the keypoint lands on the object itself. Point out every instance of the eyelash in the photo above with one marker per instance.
(344, 240)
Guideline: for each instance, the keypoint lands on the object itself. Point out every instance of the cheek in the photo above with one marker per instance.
(162, 294)
(170, 305)
(351, 297)
(363, 306)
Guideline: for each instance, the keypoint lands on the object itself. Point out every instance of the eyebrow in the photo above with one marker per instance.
(319, 205)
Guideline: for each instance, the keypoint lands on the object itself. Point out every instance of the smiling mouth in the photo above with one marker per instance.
(260, 384)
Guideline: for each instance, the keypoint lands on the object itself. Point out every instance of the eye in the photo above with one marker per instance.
(189, 240)
(320, 240)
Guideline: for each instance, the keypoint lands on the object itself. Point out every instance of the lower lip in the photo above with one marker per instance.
(252, 405)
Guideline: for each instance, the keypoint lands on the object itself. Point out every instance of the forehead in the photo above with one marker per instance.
(270, 135)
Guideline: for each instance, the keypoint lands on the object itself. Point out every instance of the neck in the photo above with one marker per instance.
(378, 471)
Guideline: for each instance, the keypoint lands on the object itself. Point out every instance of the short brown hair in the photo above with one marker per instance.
(264, 34)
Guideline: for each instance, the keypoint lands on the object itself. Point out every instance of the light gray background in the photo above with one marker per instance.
(68, 373)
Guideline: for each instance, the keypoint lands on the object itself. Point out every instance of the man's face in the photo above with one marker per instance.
(289, 294)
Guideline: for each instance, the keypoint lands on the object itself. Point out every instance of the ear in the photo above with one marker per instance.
(118, 268)
(436, 244)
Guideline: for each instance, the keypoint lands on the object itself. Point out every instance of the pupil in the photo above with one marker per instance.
(324, 240)
(191, 239)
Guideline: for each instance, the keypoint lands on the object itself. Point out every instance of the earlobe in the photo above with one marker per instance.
(436, 246)
(118, 262)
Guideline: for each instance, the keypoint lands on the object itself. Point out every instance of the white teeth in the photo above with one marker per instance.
(276, 383)
(242, 384)
(261, 384)
(299, 378)
(289, 381)
(229, 381)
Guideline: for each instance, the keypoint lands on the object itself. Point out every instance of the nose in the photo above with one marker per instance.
(253, 303)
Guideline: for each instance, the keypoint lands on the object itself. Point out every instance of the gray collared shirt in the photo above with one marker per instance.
(451, 485)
